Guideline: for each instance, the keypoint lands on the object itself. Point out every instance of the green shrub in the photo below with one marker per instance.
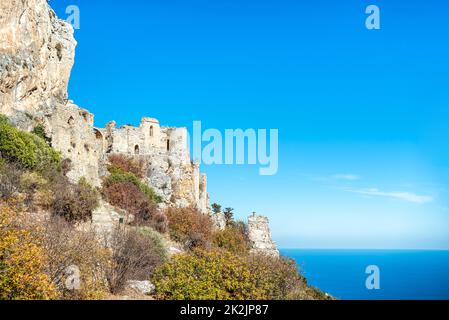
(39, 131)
(27, 149)
(203, 275)
(232, 238)
(276, 277)
(157, 242)
(220, 274)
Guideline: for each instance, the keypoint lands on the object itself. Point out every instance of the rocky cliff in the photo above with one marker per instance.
(36, 57)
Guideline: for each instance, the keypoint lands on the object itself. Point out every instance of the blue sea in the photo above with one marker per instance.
(402, 274)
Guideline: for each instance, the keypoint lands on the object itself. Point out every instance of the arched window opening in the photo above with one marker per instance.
(136, 149)
(98, 134)
(168, 145)
(151, 131)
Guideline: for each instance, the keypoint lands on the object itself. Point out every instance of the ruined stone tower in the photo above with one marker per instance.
(260, 235)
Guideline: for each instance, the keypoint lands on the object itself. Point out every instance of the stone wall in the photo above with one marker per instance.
(147, 139)
(71, 132)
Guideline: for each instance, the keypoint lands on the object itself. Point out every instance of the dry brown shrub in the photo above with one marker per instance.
(128, 164)
(190, 227)
(129, 197)
(74, 202)
(232, 238)
(68, 247)
(10, 175)
(125, 195)
(135, 255)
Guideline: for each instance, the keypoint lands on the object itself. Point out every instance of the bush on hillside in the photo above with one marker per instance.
(190, 227)
(135, 255)
(22, 262)
(277, 277)
(39, 131)
(280, 279)
(220, 274)
(232, 238)
(128, 196)
(10, 176)
(206, 275)
(124, 195)
(117, 175)
(68, 247)
(26, 149)
(157, 241)
(74, 202)
(150, 215)
(127, 164)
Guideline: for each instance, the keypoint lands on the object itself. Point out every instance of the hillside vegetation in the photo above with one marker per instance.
(46, 239)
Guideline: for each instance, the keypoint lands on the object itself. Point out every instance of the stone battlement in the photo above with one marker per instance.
(147, 139)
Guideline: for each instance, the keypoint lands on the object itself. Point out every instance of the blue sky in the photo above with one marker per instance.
(362, 114)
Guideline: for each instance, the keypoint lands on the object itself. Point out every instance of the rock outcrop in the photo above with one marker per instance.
(260, 236)
(142, 287)
(36, 57)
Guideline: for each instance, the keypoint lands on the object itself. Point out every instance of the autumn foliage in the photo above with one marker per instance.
(206, 275)
(232, 238)
(22, 262)
(127, 164)
(190, 227)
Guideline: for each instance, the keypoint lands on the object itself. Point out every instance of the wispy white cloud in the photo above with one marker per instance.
(347, 176)
(336, 177)
(400, 195)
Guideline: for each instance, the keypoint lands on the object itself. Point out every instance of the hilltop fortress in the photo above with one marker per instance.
(37, 52)
(164, 151)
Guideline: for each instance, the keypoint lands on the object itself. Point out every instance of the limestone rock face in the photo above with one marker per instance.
(260, 236)
(36, 56)
(219, 220)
